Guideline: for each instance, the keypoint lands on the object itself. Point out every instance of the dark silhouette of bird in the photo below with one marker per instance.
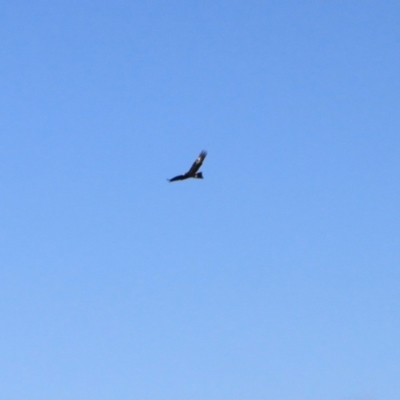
(192, 173)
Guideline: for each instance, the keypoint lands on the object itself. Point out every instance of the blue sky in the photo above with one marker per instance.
(275, 277)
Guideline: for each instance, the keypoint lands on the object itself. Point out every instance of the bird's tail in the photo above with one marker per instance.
(199, 175)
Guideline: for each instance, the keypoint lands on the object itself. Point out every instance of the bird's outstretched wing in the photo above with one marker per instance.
(178, 178)
(197, 164)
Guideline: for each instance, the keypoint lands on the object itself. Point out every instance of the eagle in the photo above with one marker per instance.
(192, 173)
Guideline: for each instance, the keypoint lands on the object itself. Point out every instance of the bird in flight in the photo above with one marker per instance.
(192, 173)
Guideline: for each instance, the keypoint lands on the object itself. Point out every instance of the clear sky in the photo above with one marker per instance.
(276, 277)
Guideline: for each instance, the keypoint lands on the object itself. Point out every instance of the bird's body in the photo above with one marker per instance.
(192, 173)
